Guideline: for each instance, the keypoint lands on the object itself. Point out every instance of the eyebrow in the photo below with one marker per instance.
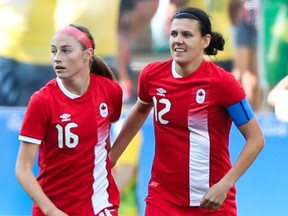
(63, 46)
(181, 31)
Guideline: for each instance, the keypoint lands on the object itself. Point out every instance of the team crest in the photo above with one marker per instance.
(103, 108)
(200, 96)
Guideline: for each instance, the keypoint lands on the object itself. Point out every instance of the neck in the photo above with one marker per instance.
(187, 69)
(77, 86)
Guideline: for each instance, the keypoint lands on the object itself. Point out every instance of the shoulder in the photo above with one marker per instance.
(158, 64)
(105, 82)
(155, 67)
(225, 84)
(46, 91)
(219, 75)
(106, 86)
(41, 101)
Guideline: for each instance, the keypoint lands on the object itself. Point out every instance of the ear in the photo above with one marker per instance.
(88, 54)
(206, 40)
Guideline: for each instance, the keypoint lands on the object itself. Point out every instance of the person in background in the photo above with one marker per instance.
(278, 99)
(194, 108)
(134, 17)
(274, 93)
(73, 115)
(246, 60)
(24, 52)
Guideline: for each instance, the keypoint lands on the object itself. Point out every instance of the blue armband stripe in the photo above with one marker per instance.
(241, 112)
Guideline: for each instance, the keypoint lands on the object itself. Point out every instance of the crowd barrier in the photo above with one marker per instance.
(261, 190)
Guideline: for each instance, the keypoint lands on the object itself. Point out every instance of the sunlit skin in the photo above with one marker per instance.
(187, 45)
(71, 63)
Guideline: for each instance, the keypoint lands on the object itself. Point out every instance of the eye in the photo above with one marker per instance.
(173, 34)
(187, 34)
(65, 50)
(53, 50)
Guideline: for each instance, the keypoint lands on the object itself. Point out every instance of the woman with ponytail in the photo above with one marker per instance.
(67, 123)
(194, 103)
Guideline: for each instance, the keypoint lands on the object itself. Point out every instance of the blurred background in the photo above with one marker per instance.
(130, 34)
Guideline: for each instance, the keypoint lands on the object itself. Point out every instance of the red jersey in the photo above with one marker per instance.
(192, 128)
(74, 136)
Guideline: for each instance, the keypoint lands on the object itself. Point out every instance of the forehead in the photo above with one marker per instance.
(63, 39)
(185, 24)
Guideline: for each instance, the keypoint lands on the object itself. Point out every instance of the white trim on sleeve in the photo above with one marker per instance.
(29, 140)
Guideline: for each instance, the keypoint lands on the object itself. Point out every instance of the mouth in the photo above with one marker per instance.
(180, 50)
(59, 68)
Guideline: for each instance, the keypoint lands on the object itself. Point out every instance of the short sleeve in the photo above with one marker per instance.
(143, 92)
(230, 91)
(35, 120)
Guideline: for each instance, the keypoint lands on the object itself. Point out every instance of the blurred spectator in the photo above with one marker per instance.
(26, 30)
(159, 34)
(160, 24)
(246, 60)
(278, 98)
(135, 16)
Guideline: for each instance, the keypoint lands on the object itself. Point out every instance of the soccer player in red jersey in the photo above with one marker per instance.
(69, 122)
(194, 104)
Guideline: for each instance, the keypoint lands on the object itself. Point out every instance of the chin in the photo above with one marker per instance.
(180, 60)
(59, 75)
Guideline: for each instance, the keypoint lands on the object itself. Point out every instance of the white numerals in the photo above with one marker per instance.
(66, 137)
(160, 113)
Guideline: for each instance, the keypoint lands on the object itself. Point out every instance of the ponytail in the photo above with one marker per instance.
(100, 67)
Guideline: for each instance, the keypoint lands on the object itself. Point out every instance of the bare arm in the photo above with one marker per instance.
(216, 195)
(121, 179)
(25, 176)
(131, 126)
(254, 144)
(235, 14)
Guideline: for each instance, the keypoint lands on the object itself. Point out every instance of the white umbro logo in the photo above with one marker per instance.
(161, 92)
(65, 117)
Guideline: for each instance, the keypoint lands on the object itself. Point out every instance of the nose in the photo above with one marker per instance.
(178, 39)
(56, 57)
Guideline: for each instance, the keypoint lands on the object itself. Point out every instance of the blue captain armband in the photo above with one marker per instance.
(240, 112)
